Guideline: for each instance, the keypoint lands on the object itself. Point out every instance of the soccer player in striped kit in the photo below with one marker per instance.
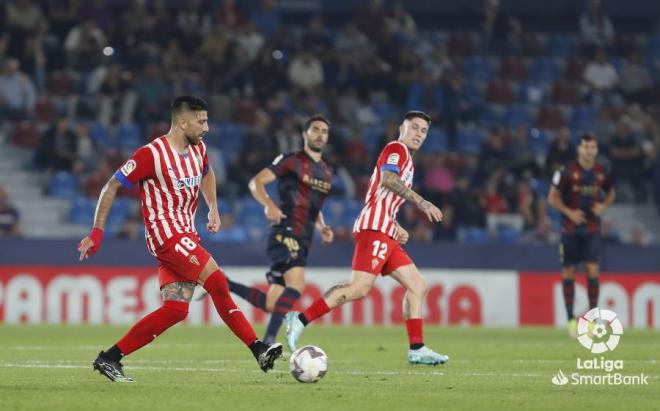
(378, 238)
(171, 171)
(581, 191)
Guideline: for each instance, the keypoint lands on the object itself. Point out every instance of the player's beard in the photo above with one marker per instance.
(194, 140)
(315, 148)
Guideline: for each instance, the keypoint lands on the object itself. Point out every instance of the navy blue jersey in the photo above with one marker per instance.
(302, 186)
(581, 189)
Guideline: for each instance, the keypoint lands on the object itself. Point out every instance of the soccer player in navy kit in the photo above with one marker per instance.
(304, 180)
(581, 191)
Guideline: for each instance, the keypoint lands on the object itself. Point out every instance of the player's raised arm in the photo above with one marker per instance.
(393, 182)
(92, 242)
(257, 186)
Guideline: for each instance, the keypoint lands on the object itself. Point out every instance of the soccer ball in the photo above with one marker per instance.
(308, 364)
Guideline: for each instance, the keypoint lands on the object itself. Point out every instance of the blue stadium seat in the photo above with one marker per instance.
(352, 209)
(250, 212)
(82, 211)
(486, 116)
(436, 140)
(559, 45)
(477, 68)
(544, 70)
(333, 211)
(129, 137)
(539, 141)
(468, 141)
(99, 134)
(583, 118)
(517, 115)
(63, 185)
(371, 137)
(473, 235)
(118, 215)
(508, 235)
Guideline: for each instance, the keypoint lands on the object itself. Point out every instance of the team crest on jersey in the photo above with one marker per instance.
(193, 259)
(128, 167)
(374, 263)
(393, 159)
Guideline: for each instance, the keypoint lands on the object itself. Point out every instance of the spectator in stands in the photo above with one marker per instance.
(636, 81)
(9, 217)
(561, 151)
(316, 39)
(602, 79)
(400, 21)
(23, 19)
(84, 45)
(115, 98)
(350, 40)
(57, 148)
(306, 72)
(152, 92)
(627, 164)
(596, 28)
(17, 91)
(466, 204)
(249, 42)
(267, 18)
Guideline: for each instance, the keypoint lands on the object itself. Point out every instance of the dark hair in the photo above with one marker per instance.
(588, 137)
(417, 114)
(188, 103)
(313, 118)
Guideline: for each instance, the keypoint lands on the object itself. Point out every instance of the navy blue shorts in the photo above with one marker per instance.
(577, 248)
(285, 252)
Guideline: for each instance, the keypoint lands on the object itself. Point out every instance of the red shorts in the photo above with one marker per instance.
(377, 253)
(181, 259)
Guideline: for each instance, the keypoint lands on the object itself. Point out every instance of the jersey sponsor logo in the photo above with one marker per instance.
(393, 159)
(317, 184)
(179, 183)
(278, 159)
(128, 167)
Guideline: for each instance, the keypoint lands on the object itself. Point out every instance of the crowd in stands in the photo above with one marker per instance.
(84, 84)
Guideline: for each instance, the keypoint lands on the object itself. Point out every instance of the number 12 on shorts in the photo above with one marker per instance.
(187, 243)
(380, 249)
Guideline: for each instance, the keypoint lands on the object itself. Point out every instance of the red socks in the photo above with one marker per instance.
(316, 310)
(414, 329)
(217, 287)
(151, 326)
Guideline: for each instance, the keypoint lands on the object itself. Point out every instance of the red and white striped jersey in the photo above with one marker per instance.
(169, 188)
(381, 205)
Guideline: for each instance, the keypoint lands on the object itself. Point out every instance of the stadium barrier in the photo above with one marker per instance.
(38, 294)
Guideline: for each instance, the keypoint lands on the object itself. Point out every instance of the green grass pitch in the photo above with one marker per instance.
(207, 368)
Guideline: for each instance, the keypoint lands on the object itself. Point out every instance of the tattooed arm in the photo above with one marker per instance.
(393, 182)
(87, 245)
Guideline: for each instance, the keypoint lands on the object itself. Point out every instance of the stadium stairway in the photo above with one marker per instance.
(41, 216)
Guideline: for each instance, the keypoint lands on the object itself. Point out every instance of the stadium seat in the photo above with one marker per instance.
(508, 235)
(583, 118)
(99, 134)
(473, 235)
(436, 140)
(477, 68)
(118, 215)
(544, 70)
(129, 138)
(539, 142)
(82, 211)
(559, 45)
(63, 185)
(566, 92)
(486, 116)
(517, 115)
(468, 141)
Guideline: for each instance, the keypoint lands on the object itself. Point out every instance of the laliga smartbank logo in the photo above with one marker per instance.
(599, 331)
(597, 321)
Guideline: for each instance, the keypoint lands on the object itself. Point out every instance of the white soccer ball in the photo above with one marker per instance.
(308, 364)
